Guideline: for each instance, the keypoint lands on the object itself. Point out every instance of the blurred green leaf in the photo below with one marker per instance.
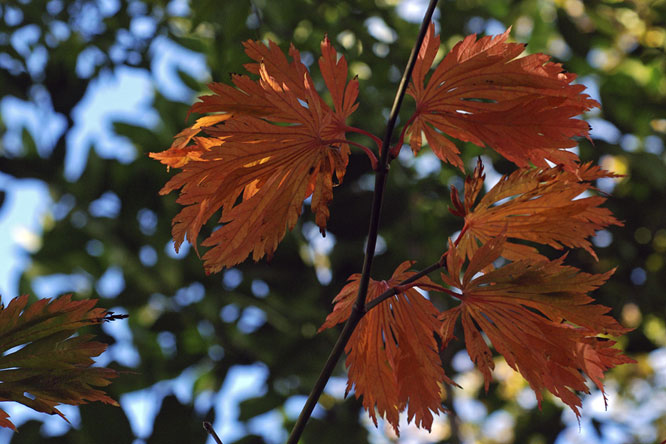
(177, 420)
(256, 406)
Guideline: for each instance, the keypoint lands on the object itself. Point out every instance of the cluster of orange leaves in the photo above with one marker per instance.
(273, 141)
(42, 364)
(534, 311)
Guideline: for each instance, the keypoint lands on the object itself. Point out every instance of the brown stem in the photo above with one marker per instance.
(380, 184)
(376, 139)
(398, 289)
(209, 428)
(426, 271)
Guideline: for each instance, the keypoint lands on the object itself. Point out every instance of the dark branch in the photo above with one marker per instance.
(209, 428)
(380, 184)
(398, 289)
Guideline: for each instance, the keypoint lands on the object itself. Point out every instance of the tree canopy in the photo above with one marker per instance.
(107, 232)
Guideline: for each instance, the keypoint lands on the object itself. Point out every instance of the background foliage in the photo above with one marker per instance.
(109, 232)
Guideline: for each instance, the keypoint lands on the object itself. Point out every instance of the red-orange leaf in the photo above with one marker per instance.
(392, 355)
(51, 367)
(537, 314)
(523, 108)
(536, 205)
(276, 144)
(182, 151)
(334, 72)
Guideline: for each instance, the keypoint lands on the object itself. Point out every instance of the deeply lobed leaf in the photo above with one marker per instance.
(523, 108)
(539, 205)
(275, 144)
(51, 366)
(392, 356)
(537, 314)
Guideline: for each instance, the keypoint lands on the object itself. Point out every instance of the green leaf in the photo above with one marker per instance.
(42, 364)
(256, 406)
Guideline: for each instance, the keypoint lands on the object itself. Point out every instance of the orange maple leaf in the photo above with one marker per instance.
(276, 143)
(52, 367)
(182, 151)
(523, 108)
(536, 205)
(392, 356)
(537, 314)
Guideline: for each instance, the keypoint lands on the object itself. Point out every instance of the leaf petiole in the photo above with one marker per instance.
(404, 285)
(211, 431)
(395, 150)
(368, 151)
(377, 140)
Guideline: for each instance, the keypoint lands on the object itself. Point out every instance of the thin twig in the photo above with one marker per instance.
(377, 140)
(395, 290)
(426, 271)
(382, 171)
(380, 184)
(211, 431)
